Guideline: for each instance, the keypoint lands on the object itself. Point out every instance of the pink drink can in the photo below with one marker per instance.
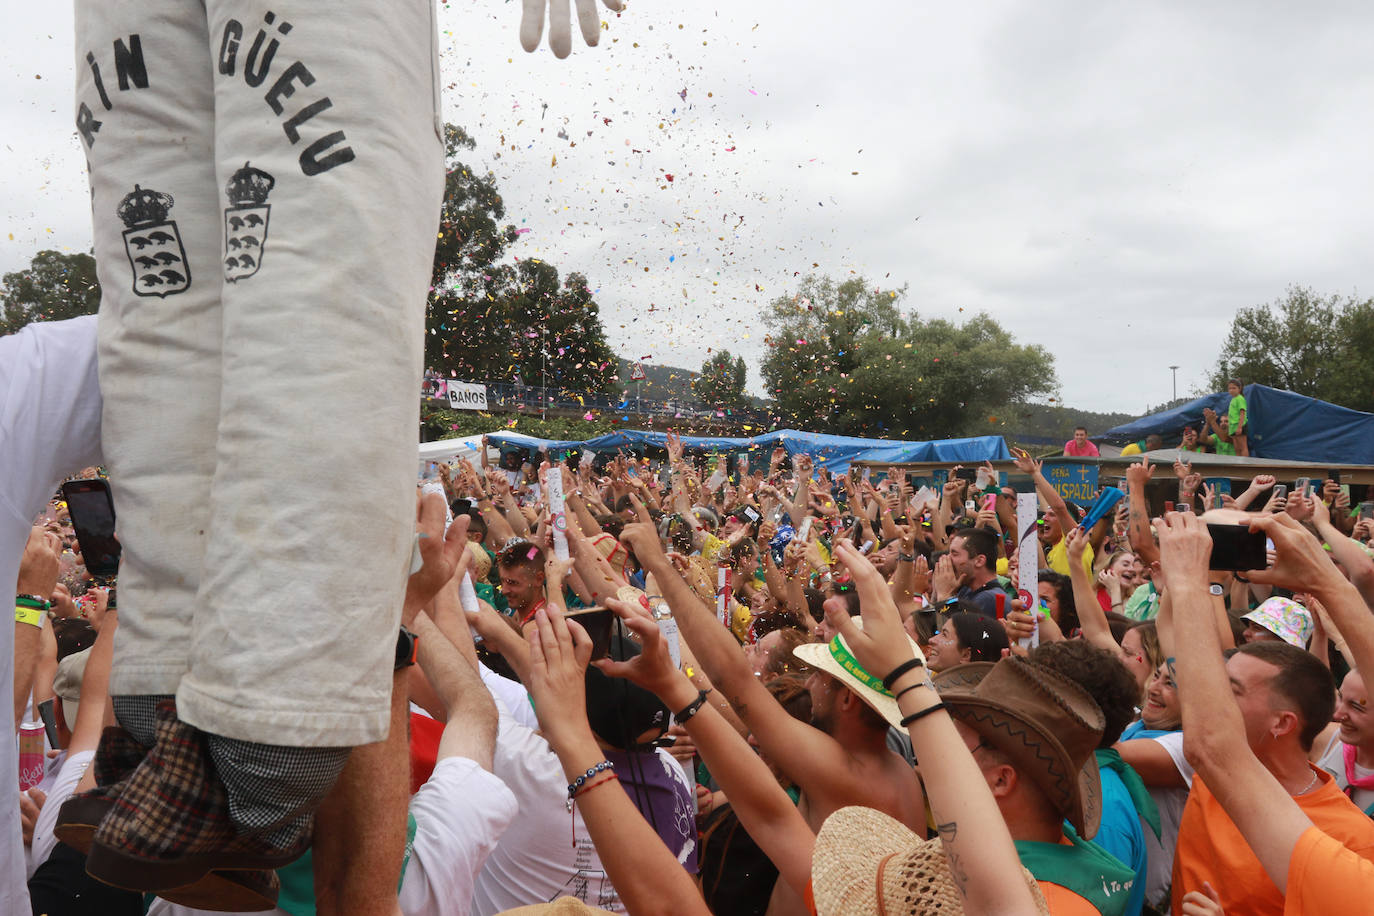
(30, 755)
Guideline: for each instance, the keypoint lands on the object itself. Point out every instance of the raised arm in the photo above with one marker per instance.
(1138, 519)
(982, 859)
(1214, 732)
(764, 809)
(1028, 465)
(644, 872)
(1090, 614)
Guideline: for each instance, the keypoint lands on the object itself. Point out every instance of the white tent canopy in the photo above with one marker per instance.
(468, 447)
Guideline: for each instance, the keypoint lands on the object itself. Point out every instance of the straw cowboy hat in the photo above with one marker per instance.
(834, 658)
(868, 864)
(1047, 724)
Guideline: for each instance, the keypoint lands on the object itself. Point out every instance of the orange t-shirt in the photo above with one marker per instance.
(1064, 902)
(1325, 877)
(1210, 847)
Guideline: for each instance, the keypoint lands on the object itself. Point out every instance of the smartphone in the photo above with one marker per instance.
(1367, 510)
(805, 531)
(93, 518)
(461, 506)
(1183, 507)
(45, 713)
(751, 515)
(1236, 547)
(989, 502)
(969, 474)
(597, 622)
(970, 507)
(1333, 474)
(1000, 597)
(1280, 490)
(868, 545)
(1301, 486)
(1345, 491)
(1168, 505)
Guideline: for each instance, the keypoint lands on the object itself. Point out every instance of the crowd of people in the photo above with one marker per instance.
(706, 684)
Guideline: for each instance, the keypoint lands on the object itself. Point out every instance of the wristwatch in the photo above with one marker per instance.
(407, 644)
(1216, 589)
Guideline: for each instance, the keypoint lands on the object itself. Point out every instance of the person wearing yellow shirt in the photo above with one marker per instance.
(1052, 530)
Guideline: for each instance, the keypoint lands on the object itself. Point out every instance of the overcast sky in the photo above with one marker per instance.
(1111, 181)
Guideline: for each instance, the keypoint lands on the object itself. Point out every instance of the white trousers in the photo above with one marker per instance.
(265, 190)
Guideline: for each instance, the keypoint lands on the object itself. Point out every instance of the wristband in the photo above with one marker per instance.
(901, 669)
(32, 601)
(692, 708)
(30, 615)
(917, 716)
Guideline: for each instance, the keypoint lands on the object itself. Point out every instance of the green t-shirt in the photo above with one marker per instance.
(1233, 413)
(1225, 448)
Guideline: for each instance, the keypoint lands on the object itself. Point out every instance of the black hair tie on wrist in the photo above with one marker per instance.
(917, 716)
(901, 669)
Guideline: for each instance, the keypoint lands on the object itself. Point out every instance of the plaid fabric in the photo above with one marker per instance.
(116, 756)
(170, 824)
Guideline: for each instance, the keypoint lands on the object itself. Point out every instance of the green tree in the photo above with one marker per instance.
(53, 287)
(722, 380)
(1310, 344)
(842, 358)
(489, 320)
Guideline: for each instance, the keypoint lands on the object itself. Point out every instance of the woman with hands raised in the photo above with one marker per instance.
(645, 874)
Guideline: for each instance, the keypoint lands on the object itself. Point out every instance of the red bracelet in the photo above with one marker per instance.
(592, 785)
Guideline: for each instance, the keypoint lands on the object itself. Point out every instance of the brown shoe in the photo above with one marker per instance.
(169, 825)
(229, 892)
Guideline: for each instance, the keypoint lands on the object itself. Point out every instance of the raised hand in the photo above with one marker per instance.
(882, 644)
(560, 24)
(653, 667)
(1138, 475)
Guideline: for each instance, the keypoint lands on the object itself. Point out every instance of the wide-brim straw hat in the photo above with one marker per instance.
(835, 659)
(868, 864)
(1045, 723)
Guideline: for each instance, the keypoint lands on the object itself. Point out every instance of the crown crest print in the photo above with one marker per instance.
(245, 222)
(153, 244)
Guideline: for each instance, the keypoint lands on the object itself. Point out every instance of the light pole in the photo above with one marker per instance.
(1174, 370)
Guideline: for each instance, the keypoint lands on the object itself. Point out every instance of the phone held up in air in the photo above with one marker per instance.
(93, 518)
(597, 622)
(1236, 547)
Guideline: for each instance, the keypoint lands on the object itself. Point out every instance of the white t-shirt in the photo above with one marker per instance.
(1333, 761)
(1160, 873)
(49, 429)
(460, 814)
(73, 768)
(546, 853)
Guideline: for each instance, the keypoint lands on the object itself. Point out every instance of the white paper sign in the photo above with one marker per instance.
(558, 517)
(1028, 561)
(467, 396)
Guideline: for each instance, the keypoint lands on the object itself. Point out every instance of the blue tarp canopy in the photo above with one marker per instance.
(833, 452)
(1282, 425)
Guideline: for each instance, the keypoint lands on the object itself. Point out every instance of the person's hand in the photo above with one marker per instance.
(30, 805)
(441, 555)
(653, 667)
(1330, 489)
(920, 575)
(766, 531)
(946, 581)
(99, 606)
(1191, 481)
(1342, 501)
(951, 491)
(1300, 506)
(560, 24)
(987, 518)
(1182, 468)
(793, 555)
(684, 748)
(559, 650)
(62, 603)
(1321, 515)
(1110, 580)
(801, 463)
(1206, 902)
(1024, 462)
(1300, 563)
(642, 540)
(1185, 549)
(776, 459)
(498, 482)
(39, 564)
(1138, 476)
(1261, 482)
(1019, 624)
(882, 644)
(1077, 544)
(1276, 503)
(1364, 529)
(671, 440)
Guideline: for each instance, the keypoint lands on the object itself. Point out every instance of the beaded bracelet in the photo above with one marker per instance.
(594, 783)
(577, 783)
